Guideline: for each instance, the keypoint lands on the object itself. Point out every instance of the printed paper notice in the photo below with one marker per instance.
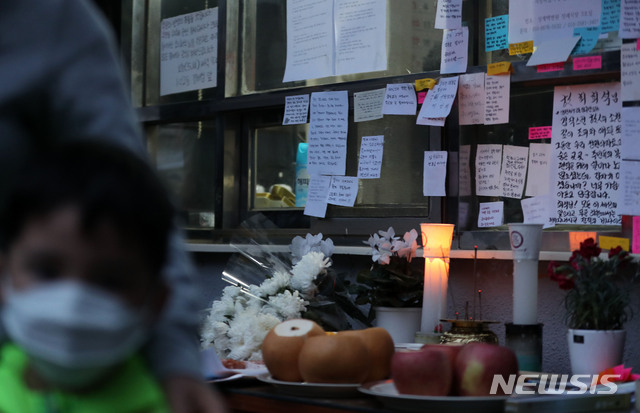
(464, 171)
(368, 105)
(438, 102)
(488, 162)
(296, 110)
(536, 210)
(371, 149)
(631, 133)
(327, 153)
(514, 170)
(496, 107)
(491, 214)
(400, 99)
(553, 51)
(318, 192)
(585, 158)
(435, 173)
(189, 52)
(629, 194)
(454, 51)
(630, 72)
(496, 31)
(449, 14)
(629, 19)
(471, 99)
(539, 168)
(343, 191)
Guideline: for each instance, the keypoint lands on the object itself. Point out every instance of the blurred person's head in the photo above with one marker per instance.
(83, 239)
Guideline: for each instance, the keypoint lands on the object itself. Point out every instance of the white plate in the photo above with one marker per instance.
(386, 392)
(305, 389)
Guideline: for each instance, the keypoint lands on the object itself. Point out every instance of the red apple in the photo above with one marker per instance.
(451, 350)
(476, 365)
(427, 372)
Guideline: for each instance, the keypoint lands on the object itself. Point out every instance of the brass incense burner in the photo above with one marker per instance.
(466, 331)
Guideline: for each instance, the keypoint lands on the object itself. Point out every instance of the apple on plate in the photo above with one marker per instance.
(451, 350)
(476, 365)
(426, 372)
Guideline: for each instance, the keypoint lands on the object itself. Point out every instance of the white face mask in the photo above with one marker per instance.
(73, 333)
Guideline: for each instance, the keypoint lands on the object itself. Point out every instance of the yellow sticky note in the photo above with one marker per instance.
(521, 48)
(612, 242)
(422, 84)
(500, 68)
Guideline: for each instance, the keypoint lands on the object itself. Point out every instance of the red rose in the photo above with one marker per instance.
(566, 283)
(615, 251)
(589, 248)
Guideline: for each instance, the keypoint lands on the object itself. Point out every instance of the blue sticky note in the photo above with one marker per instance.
(496, 33)
(588, 39)
(610, 17)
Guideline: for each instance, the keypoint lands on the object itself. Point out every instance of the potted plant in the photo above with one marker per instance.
(393, 284)
(597, 305)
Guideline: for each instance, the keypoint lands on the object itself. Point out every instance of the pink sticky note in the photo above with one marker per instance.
(421, 96)
(587, 62)
(635, 245)
(540, 132)
(638, 44)
(551, 67)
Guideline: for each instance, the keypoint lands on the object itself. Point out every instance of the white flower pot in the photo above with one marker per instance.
(401, 323)
(592, 351)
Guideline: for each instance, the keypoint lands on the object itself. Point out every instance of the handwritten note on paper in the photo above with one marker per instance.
(360, 30)
(426, 83)
(491, 214)
(631, 132)
(296, 110)
(449, 14)
(488, 163)
(368, 105)
(471, 99)
(587, 63)
(421, 97)
(610, 21)
(464, 171)
(454, 52)
(585, 158)
(327, 154)
(629, 19)
(310, 40)
(588, 39)
(400, 99)
(553, 51)
(536, 210)
(539, 169)
(439, 100)
(371, 149)
(498, 68)
(189, 52)
(514, 170)
(630, 72)
(551, 67)
(629, 195)
(606, 243)
(496, 30)
(635, 246)
(521, 48)
(496, 106)
(540, 132)
(318, 192)
(435, 173)
(343, 191)
(541, 20)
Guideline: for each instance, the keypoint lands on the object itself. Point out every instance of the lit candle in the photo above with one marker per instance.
(525, 244)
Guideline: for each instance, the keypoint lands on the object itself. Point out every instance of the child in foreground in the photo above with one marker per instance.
(83, 238)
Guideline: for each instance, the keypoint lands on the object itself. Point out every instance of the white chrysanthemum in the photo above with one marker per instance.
(286, 305)
(306, 271)
(273, 285)
(247, 331)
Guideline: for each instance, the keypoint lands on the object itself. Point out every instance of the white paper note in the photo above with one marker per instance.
(296, 110)
(449, 14)
(454, 51)
(514, 170)
(368, 105)
(435, 173)
(488, 162)
(370, 161)
(496, 107)
(553, 51)
(438, 102)
(431, 121)
(327, 154)
(360, 29)
(491, 214)
(310, 40)
(629, 194)
(317, 196)
(585, 157)
(629, 19)
(630, 71)
(400, 99)
(631, 133)
(343, 191)
(464, 171)
(539, 168)
(189, 52)
(536, 210)
(471, 99)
